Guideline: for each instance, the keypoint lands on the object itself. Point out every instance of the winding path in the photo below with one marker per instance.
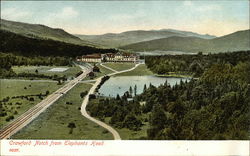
(91, 91)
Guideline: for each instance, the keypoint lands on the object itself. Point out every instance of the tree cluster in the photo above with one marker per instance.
(104, 79)
(8, 60)
(192, 64)
(123, 113)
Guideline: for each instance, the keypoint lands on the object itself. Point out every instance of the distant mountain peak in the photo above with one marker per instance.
(135, 36)
(237, 41)
(205, 36)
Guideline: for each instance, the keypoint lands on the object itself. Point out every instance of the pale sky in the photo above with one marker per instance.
(99, 17)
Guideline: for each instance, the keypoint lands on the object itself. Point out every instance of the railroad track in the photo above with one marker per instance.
(33, 112)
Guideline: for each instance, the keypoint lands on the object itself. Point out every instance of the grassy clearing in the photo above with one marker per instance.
(53, 124)
(120, 66)
(104, 70)
(69, 73)
(127, 134)
(141, 70)
(16, 106)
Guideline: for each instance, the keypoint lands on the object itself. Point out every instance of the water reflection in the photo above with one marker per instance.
(121, 84)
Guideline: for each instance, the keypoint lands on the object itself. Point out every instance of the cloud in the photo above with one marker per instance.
(15, 14)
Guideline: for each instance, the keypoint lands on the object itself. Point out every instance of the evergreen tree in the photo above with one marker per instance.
(118, 97)
(145, 88)
(130, 91)
(135, 90)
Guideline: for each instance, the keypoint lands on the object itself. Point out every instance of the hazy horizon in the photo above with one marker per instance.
(100, 17)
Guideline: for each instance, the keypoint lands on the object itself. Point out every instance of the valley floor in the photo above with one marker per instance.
(54, 122)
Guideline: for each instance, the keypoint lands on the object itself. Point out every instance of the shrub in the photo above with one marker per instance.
(82, 94)
(9, 118)
(71, 126)
(69, 103)
(92, 96)
(2, 114)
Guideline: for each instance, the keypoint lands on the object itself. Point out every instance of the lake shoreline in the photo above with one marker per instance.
(121, 84)
(174, 76)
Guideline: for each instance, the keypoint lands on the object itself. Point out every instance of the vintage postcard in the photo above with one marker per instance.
(125, 77)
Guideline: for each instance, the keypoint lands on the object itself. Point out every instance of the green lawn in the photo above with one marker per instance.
(53, 124)
(70, 72)
(103, 70)
(16, 106)
(141, 70)
(120, 66)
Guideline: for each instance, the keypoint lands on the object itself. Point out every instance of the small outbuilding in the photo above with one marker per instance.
(96, 69)
(91, 74)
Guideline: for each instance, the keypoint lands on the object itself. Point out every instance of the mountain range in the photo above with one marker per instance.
(135, 41)
(236, 41)
(130, 37)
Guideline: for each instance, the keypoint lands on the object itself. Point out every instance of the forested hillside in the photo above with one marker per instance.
(21, 45)
(41, 32)
(216, 106)
(18, 50)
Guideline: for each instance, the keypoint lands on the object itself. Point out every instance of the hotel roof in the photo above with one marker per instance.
(92, 56)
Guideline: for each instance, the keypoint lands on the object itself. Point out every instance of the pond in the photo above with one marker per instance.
(121, 84)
